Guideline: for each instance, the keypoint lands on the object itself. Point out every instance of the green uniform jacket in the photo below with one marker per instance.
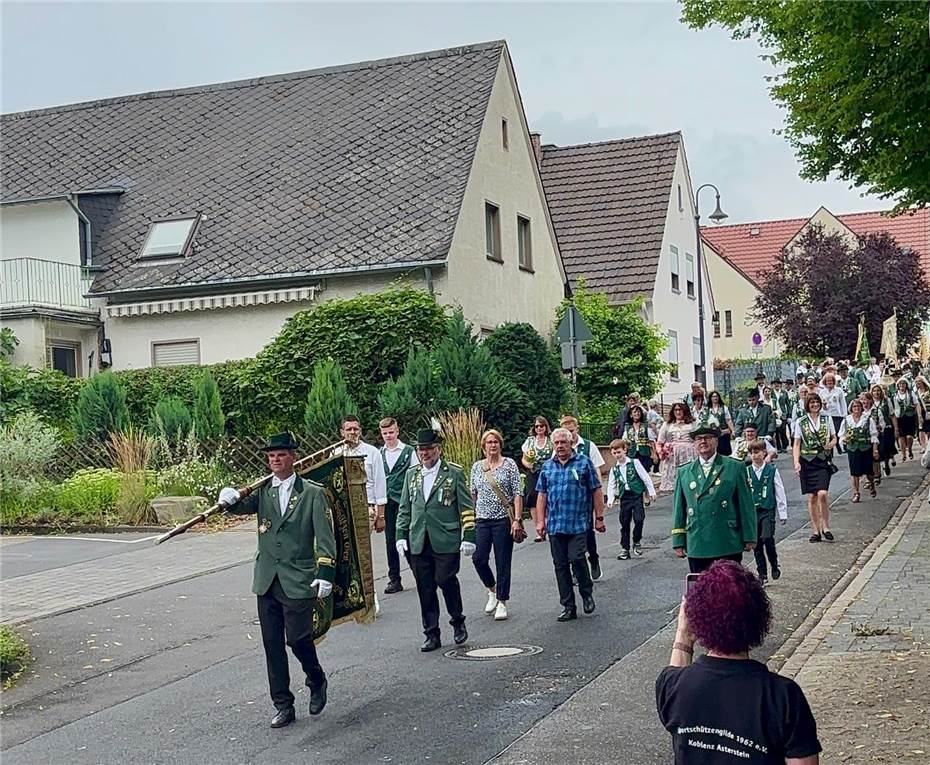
(298, 546)
(715, 515)
(764, 420)
(447, 515)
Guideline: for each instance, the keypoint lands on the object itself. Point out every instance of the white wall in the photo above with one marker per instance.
(44, 230)
(492, 293)
(31, 335)
(34, 334)
(676, 311)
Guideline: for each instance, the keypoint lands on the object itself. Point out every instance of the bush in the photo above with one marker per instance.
(327, 402)
(193, 475)
(101, 408)
(415, 395)
(209, 421)
(48, 392)
(14, 656)
(27, 445)
(171, 419)
(89, 496)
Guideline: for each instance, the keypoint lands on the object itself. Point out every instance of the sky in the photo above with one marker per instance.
(586, 72)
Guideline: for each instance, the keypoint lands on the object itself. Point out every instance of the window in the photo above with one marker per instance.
(716, 323)
(673, 353)
(63, 356)
(505, 140)
(728, 320)
(168, 238)
(681, 207)
(524, 243)
(696, 357)
(175, 353)
(676, 268)
(492, 231)
(689, 273)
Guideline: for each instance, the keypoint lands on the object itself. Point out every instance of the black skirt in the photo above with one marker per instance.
(907, 425)
(645, 460)
(887, 444)
(860, 463)
(723, 445)
(926, 426)
(815, 475)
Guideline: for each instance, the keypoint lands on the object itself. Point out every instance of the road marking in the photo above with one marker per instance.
(100, 539)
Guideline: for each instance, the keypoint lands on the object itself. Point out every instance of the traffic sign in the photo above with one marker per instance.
(757, 350)
(756, 339)
(572, 328)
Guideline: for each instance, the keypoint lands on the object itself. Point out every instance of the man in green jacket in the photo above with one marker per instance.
(435, 523)
(294, 565)
(714, 516)
(755, 412)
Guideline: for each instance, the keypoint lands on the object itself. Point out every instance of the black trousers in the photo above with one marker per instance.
(287, 621)
(781, 436)
(568, 556)
(494, 533)
(765, 547)
(697, 565)
(434, 570)
(390, 539)
(631, 510)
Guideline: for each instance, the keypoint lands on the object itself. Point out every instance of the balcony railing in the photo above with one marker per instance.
(29, 282)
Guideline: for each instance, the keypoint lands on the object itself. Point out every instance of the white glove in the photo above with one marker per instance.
(324, 588)
(401, 545)
(229, 496)
(467, 548)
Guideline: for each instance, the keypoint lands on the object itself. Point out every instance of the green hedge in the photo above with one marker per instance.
(14, 655)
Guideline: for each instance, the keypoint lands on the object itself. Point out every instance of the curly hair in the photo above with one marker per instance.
(727, 609)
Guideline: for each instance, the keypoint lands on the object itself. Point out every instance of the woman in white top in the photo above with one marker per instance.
(536, 450)
(720, 411)
(905, 405)
(814, 439)
(859, 434)
(770, 401)
(675, 445)
(798, 412)
(834, 401)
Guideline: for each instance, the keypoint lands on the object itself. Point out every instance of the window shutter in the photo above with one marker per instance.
(173, 354)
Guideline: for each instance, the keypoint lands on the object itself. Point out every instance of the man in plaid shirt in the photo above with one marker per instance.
(567, 483)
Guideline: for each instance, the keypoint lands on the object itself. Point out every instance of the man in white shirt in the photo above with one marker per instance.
(589, 450)
(874, 372)
(375, 483)
(397, 458)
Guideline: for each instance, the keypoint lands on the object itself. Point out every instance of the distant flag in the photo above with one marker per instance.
(890, 336)
(862, 343)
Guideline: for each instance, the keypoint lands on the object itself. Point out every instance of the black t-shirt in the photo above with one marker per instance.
(731, 711)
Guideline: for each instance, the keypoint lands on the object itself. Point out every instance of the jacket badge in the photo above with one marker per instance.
(264, 526)
(693, 484)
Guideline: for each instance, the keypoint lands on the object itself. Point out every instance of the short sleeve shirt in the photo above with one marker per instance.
(488, 504)
(704, 707)
(569, 490)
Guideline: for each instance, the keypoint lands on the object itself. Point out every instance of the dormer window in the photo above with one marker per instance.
(169, 238)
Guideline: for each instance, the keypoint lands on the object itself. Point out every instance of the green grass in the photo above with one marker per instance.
(14, 656)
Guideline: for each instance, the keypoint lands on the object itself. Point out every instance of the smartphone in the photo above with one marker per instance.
(690, 579)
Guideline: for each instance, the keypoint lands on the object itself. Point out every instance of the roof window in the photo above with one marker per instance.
(169, 238)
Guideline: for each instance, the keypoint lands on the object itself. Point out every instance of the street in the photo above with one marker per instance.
(175, 673)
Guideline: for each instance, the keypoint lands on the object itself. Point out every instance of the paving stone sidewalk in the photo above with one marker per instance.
(865, 667)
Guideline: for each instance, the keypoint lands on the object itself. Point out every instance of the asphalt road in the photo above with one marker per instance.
(176, 674)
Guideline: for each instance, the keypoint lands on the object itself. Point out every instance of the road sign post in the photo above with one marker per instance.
(571, 334)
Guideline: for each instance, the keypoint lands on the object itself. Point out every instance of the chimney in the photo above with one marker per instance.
(537, 152)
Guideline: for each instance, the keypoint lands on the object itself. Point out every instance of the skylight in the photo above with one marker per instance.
(167, 238)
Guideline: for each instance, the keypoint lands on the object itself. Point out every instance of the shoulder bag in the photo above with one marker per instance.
(519, 535)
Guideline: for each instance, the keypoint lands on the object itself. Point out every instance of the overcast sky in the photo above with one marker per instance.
(586, 72)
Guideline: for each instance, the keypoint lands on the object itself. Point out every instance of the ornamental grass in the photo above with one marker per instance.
(461, 437)
(130, 452)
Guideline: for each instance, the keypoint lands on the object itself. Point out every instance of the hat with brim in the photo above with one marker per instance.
(280, 442)
(776, 380)
(706, 430)
(760, 376)
(427, 437)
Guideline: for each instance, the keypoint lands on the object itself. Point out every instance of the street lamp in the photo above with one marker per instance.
(716, 216)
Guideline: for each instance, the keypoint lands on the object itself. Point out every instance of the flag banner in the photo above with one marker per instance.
(862, 343)
(889, 347)
(353, 598)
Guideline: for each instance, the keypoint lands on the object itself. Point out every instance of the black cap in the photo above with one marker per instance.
(706, 430)
(280, 441)
(427, 437)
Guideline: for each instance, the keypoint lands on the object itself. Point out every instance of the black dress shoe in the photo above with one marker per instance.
(460, 635)
(284, 717)
(776, 572)
(588, 604)
(595, 570)
(394, 586)
(431, 644)
(318, 698)
(567, 615)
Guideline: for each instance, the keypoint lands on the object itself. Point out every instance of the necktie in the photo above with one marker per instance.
(706, 466)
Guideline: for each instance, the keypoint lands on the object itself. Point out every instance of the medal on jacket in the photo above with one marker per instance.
(264, 526)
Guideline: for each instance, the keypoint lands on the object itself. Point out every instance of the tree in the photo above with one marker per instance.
(814, 294)
(853, 80)
(209, 421)
(522, 356)
(101, 408)
(328, 401)
(415, 394)
(171, 419)
(625, 355)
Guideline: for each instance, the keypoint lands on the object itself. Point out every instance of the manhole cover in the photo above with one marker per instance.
(488, 652)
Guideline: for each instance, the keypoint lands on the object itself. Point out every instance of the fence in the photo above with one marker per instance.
(32, 281)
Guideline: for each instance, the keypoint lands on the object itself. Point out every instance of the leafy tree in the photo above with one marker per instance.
(8, 342)
(209, 421)
(812, 297)
(522, 356)
(172, 419)
(101, 408)
(328, 401)
(626, 353)
(853, 80)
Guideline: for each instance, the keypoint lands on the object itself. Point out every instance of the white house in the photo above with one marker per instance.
(624, 214)
(205, 217)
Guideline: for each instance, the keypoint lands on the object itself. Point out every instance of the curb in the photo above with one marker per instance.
(43, 529)
(795, 652)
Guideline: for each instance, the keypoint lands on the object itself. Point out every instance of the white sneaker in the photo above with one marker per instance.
(491, 604)
(500, 613)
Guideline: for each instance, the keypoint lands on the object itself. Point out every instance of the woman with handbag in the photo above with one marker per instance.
(495, 488)
(535, 451)
(814, 439)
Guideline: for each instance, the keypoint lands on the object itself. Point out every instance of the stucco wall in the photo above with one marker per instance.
(676, 311)
(489, 292)
(31, 336)
(35, 333)
(43, 230)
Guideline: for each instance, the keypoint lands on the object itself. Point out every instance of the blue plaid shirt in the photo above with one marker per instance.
(569, 490)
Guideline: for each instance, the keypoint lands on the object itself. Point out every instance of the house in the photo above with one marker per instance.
(738, 254)
(623, 212)
(186, 226)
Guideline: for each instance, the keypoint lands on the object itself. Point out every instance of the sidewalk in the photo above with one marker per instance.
(865, 667)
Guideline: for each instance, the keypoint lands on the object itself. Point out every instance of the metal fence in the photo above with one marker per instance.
(32, 281)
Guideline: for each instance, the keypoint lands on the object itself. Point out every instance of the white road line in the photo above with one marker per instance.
(101, 539)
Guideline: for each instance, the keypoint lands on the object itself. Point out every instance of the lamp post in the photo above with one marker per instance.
(716, 216)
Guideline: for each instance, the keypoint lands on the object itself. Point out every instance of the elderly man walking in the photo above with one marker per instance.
(714, 517)
(569, 487)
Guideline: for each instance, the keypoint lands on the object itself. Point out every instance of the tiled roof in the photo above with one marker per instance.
(753, 247)
(608, 203)
(346, 168)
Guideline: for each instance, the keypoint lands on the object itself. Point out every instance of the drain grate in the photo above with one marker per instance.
(490, 652)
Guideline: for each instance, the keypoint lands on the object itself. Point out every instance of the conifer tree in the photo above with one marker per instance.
(209, 421)
(101, 408)
(328, 401)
